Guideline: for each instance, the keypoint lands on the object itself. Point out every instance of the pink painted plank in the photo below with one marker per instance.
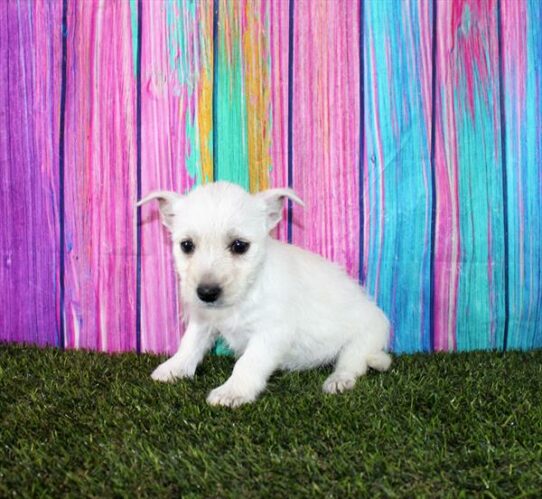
(100, 178)
(326, 125)
(30, 48)
(176, 146)
(279, 43)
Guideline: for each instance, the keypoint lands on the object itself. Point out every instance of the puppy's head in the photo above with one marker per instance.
(219, 233)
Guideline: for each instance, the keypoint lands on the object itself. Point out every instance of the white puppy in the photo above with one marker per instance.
(276, 305)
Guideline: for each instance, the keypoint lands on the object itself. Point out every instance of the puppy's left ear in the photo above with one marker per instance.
(274, 200)
(166, 200)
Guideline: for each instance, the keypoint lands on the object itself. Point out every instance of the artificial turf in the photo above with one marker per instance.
(85, 424)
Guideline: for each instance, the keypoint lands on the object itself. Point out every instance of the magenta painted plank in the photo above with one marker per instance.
(176, 105)
(30, 48)
(100, 178)
(326, 121)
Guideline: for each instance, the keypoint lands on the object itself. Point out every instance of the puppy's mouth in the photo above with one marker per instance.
(212, 305)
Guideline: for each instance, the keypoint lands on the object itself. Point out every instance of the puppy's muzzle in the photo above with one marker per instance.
(209, 293)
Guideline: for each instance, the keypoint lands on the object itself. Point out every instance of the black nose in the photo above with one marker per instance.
(209, 292)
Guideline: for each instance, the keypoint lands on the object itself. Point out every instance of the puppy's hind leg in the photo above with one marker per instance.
(353, 362)
(380, 361)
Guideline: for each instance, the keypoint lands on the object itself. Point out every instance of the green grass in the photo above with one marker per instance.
(87, 424)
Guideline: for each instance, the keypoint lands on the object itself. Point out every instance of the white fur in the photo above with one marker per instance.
(281, 307)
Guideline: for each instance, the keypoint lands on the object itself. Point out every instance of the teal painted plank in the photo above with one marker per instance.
(397, 170)
(231, 153)
(469, 238)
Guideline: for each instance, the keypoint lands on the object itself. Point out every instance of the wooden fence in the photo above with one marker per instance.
(412, 130)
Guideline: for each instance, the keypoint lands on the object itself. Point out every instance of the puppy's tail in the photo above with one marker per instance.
(381, 361)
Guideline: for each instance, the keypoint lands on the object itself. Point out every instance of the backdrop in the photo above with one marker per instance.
(412, 130)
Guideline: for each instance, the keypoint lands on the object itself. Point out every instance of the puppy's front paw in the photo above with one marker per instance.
(167, 372)
(339, 382)
(228, 396)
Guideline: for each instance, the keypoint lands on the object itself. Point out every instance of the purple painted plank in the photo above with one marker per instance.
(29, 118)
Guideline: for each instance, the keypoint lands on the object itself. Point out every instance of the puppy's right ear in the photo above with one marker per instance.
(166, 200)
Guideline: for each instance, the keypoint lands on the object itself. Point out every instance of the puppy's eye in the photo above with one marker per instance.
(187, 246)
(239, 247)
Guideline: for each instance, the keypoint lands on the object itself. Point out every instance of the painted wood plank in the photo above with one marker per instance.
(469, 298)
(255, 41)
(30, 48)
(231, 147)
(397, 191)
(100, 178)
(279, 25)
(522, 81)
(242, 94)
(326, 121)
(177, 53)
